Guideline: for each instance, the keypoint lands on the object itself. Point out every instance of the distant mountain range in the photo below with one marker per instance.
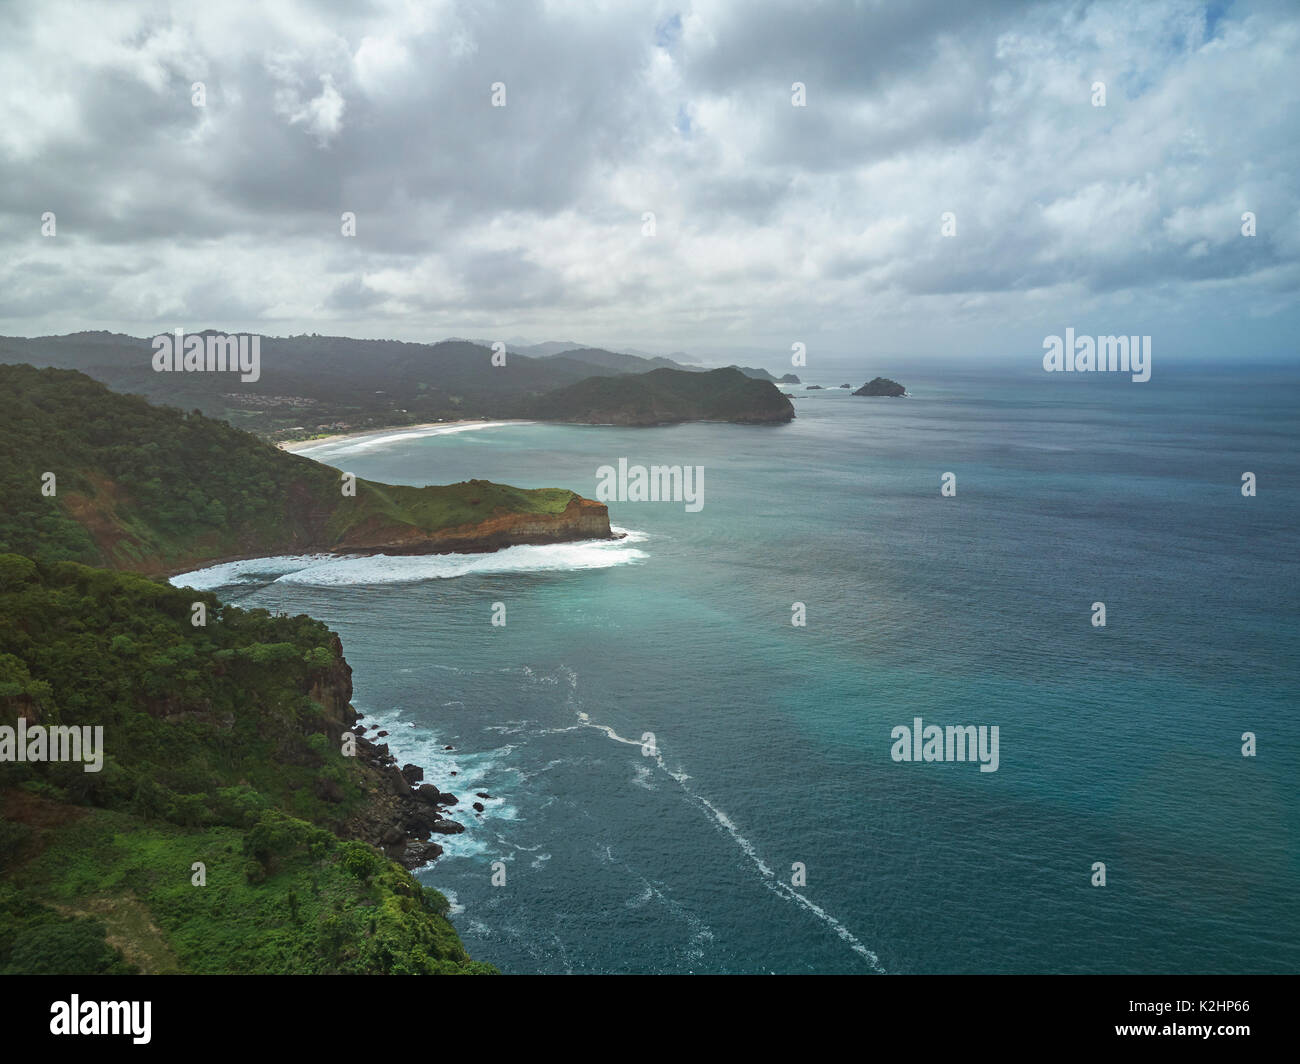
(310, 384)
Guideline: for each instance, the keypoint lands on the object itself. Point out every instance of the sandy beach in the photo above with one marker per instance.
(298, 445)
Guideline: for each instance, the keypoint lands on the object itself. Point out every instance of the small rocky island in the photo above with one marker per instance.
(882, 386)
(813, 388)
(846, 386)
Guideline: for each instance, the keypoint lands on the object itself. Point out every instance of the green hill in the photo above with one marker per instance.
(318, 384)
(665, 396)
(235, 820)
(156, 489)
(222, 747)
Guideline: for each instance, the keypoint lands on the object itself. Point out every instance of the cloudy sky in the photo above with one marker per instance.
(772, 223)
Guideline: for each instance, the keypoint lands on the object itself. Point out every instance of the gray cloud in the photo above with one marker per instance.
(527, 219)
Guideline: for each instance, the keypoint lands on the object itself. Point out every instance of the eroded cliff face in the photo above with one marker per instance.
(331, 688)
(399, 813)
(581, 519)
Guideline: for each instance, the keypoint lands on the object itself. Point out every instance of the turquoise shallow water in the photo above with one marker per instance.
(1120, 745)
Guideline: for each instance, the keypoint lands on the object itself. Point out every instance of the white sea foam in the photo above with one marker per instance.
(342, 570)
(248, 571)
(475, 771)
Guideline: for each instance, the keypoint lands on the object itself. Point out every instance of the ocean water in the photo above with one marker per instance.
(1120, 745)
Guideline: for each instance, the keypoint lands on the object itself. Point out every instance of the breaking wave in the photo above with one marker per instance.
(335, 570)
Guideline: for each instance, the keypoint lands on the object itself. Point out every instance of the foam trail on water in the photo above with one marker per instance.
(769, 877)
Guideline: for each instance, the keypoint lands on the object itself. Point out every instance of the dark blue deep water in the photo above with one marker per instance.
(1120, 744)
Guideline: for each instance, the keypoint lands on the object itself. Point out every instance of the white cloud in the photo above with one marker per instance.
(770, 219)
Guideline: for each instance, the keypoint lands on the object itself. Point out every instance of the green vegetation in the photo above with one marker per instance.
(157, 490)
(315, 385)
(664, 396)
(322, 384)
(443, 505)
(115, 894)
(222, 746)
(222, 741)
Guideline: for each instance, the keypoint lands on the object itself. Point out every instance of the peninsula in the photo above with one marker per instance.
(663, 397)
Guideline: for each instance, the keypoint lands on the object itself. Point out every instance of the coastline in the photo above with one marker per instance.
(293, 446)
(296, 446)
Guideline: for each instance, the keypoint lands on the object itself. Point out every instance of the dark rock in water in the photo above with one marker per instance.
(413, 773)
(482, 794)
(789, 378)
(882, 386)
(381, 734)
(420, 820)
(813, 388)
(478, 807)
(449, 748)
(429, 793)
(846, 386)
(454, 773)
(447, 799)
(420, 853)
(448, 827)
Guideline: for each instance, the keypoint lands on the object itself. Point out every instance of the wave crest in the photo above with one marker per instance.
(338, 570)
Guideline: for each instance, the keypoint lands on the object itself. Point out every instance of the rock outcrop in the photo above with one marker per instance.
(400, 813)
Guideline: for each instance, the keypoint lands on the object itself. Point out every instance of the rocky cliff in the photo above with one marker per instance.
(399, 813)
(242, 752)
